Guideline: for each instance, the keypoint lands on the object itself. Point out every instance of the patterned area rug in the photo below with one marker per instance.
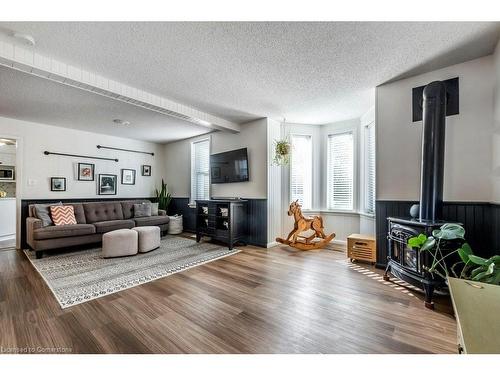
(84, 275)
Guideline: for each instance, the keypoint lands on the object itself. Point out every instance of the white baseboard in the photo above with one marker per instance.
(272, 244)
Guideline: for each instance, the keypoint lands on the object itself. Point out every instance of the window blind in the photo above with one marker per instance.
(370, 168)
(340, 171)
(301, 170)
(200, 168)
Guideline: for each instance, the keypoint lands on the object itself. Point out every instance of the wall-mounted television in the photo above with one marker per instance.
(230, 166)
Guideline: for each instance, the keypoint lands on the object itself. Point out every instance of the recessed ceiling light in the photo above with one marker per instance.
(121, 122)
(25, 38)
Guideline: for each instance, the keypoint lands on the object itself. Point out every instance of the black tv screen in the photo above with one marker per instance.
(230, 166)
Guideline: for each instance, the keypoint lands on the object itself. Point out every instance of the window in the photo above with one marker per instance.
(340, 171)
(370, 168)
(301, 170)
(200, 165)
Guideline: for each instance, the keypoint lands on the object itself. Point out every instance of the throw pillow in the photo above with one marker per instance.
(63, 215)
(42, 212)
(154, 209)
(142, 210)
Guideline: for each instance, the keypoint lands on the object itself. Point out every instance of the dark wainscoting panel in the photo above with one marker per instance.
(481, 222)
(26, 202)
(257, 218)
(495, 227)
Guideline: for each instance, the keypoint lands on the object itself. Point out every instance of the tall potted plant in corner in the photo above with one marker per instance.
(163, 196)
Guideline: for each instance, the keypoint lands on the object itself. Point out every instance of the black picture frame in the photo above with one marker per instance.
(146, 170)
(58, 184)
(124, 175)
(107, 184)
(92, 170)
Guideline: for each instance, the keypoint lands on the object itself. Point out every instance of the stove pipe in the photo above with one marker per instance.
(433, 137)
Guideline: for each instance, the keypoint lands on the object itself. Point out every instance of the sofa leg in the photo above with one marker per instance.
(39, 254)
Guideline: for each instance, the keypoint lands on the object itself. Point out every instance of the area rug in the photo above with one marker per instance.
(80, 276)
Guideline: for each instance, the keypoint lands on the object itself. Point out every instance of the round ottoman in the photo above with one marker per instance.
(119, 243)
(149, 238)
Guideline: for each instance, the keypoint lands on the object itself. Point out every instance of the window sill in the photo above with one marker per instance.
(366, 214)
(339, 212)
(331, 212)
(192, 205)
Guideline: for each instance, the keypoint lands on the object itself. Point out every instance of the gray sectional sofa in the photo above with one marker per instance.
(93, 220)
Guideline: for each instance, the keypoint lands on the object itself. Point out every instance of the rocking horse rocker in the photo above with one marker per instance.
(303, 224)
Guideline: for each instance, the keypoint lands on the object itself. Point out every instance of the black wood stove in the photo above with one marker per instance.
(404, 262)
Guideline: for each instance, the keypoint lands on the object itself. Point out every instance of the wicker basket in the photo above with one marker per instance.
(175, 224)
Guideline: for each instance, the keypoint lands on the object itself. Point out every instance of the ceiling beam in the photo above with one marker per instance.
(30, 62)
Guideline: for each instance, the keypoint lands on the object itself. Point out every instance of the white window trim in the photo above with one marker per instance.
(192, 203)
(311, 138)
(355, 160)
(365, 210)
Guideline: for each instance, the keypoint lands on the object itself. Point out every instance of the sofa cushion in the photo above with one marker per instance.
(63, 215)
(151, 220)
(154, 209)
(142, 210)
(128, 207)
(79, 213)
(102, 211)
(63, 231)
(42, 212)
(108, 226)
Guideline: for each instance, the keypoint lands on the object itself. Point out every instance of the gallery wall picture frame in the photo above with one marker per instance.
(146, 170)
(58, 184)
(86, 172)
(128, 176)
(107, 184)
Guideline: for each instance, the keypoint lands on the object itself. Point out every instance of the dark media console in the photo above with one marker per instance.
(223, 220)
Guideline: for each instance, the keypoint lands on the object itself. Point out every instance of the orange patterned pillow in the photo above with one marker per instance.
(62, 215)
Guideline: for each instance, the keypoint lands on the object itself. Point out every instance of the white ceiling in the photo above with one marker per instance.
(311, 73)
(30, 98)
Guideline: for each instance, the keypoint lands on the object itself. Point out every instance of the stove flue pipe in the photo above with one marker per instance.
(433, 144)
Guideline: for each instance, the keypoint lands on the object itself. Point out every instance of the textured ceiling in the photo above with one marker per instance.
(304, 72)
(30, 98)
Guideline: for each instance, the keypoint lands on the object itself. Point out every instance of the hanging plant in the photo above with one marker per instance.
(282, 149)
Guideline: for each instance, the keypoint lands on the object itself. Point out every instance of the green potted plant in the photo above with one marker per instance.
(470, 266)
(163, 196)
(282, 149)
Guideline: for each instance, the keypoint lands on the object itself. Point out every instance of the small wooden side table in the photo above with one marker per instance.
(362, 247)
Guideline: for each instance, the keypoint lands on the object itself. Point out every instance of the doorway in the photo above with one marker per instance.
(8, 196)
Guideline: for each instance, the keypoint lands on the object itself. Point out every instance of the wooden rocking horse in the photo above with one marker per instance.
(303, 224)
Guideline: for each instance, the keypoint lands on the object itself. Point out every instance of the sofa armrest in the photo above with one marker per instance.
(32, 224)
(162, 212)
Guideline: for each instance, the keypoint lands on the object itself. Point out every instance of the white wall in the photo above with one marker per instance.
(274, 186)
(495, 167)
(36, 168)
(253, 136)
(468, 136)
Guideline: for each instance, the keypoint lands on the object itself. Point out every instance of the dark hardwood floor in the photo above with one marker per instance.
(258, 301)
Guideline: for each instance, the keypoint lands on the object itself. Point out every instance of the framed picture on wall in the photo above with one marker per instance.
(57, 184)
(86, 172)
(128, 176)
(146, 170)
(106, 184)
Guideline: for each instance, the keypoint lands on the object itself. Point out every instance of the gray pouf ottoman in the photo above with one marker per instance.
(149, 238)
(119, 243)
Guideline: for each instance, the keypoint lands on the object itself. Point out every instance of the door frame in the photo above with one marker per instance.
(19, 179)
